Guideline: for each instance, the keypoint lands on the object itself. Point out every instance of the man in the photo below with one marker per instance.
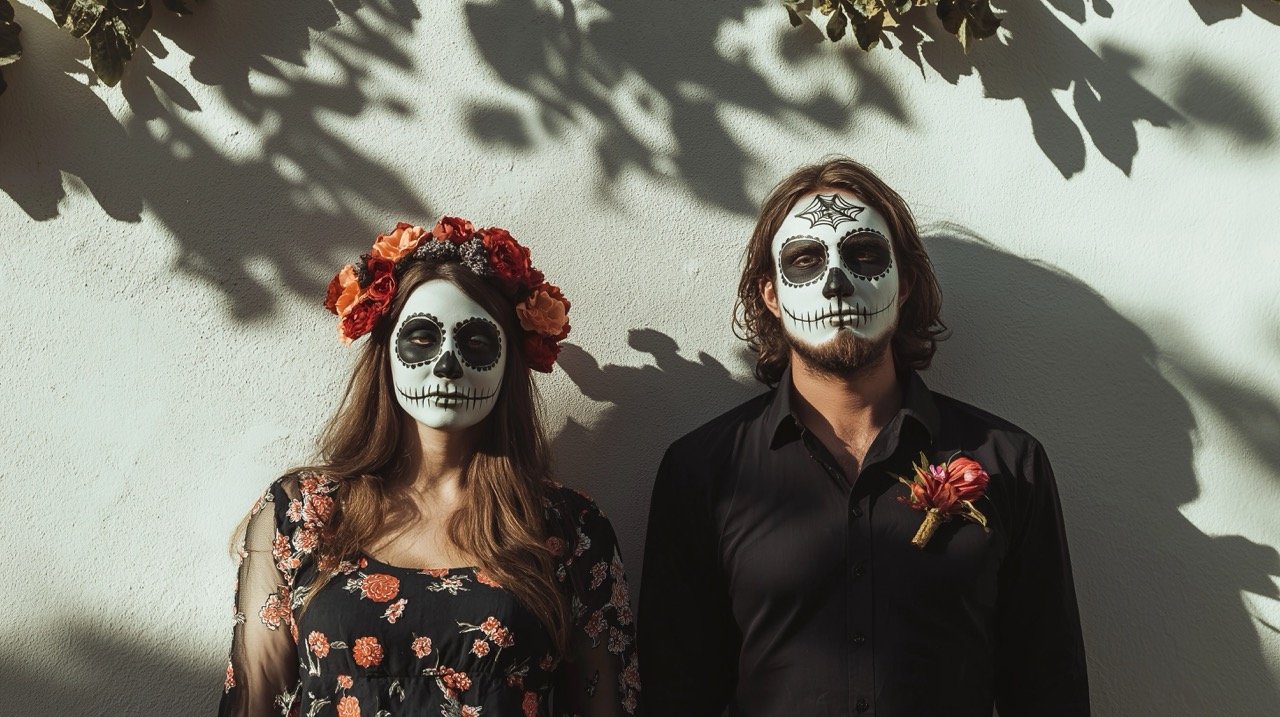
(788, 570)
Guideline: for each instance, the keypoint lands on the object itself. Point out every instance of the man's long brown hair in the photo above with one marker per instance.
(919, 325)
(371, 449)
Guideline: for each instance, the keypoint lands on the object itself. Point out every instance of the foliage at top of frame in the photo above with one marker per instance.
(110, 27)
(966, 19)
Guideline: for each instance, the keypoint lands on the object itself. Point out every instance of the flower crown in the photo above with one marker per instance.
(361, 293)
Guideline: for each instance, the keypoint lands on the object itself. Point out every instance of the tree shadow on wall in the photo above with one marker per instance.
(1038, 56)
(267, 187)
(649, 79)
(1168, 629)
(649, 406)
(1212, 11)
(650, 76)
(107, 671)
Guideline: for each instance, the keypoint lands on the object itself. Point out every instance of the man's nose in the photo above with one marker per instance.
(837, 285)
(448, 366)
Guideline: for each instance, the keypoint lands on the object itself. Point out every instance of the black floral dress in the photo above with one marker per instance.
(382, 640)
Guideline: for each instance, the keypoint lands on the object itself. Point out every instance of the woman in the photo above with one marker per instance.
(428, 565)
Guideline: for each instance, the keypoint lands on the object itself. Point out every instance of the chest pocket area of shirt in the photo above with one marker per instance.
(960, 560)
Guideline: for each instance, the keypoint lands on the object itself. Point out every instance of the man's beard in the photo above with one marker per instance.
(843, 355)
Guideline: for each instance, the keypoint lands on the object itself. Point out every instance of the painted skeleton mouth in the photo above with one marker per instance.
(843, 318)
(446, 399)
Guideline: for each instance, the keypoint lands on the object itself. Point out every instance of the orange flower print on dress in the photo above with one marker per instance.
(394, 611)
(306, 540)
(377, 587)
(469, 711)
(483, 578)
(456, 680)
(317, 509)
(344, 682)
(529, 705)
(422, 646)
(599, 572)
(367, 652)
(276, 610)
(555, 545)
(231, 679)
(349, 706)
(318, 643)
(502, 638)
(480, 648)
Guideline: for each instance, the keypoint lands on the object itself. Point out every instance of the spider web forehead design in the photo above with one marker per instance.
(831, 210)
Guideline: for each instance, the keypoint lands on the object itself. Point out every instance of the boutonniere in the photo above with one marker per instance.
(943, 491)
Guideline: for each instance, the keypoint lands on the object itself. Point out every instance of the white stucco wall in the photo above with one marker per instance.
(1098, 189)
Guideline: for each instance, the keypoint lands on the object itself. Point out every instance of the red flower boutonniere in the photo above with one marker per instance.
(942, 491)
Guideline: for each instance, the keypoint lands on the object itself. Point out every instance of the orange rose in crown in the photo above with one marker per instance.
(943, 491)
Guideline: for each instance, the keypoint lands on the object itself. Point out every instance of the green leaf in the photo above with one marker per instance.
(963, 18)
(59, 8)
(110, 46)
(982, 20)
(867, 32)
(115, 39)
(82, 16)
(951, 14)
(836, 25)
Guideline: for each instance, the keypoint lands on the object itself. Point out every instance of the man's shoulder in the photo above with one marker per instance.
(717, 436)
(975, 424)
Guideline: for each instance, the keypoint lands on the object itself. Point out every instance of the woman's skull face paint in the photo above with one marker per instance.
(447, 357)
(836, 269)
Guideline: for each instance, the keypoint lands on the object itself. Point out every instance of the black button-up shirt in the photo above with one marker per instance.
(774, 584)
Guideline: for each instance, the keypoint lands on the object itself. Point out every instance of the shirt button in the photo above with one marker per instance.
(856, 511)
(859, 570)
(859, 639)
(862, 705)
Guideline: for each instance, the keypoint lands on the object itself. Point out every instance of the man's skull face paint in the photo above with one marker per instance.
(447, 357)
(836, 269)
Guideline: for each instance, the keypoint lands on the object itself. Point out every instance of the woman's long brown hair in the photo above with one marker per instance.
(371, 449)
(919, 324)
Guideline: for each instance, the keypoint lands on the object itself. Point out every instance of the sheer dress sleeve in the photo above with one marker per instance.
(262, 672)
(601, 676)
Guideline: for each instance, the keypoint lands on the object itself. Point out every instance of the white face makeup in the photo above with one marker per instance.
(447, 357)
(836, 269)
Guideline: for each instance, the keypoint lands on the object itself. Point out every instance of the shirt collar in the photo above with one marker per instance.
(917, 403)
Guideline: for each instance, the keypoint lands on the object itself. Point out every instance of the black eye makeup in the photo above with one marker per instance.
(419, 340)
(866, 254)
(478, 343)
(802, 260)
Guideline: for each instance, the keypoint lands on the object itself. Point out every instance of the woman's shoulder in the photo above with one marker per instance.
(565, 501)
(301, 499)
(575, 518)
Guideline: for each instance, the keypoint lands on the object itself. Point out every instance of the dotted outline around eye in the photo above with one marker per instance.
(458, 327)
(866, 230)
(439, 327)
(826, 259)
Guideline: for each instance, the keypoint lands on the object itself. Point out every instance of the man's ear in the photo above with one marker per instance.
(770, 296)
